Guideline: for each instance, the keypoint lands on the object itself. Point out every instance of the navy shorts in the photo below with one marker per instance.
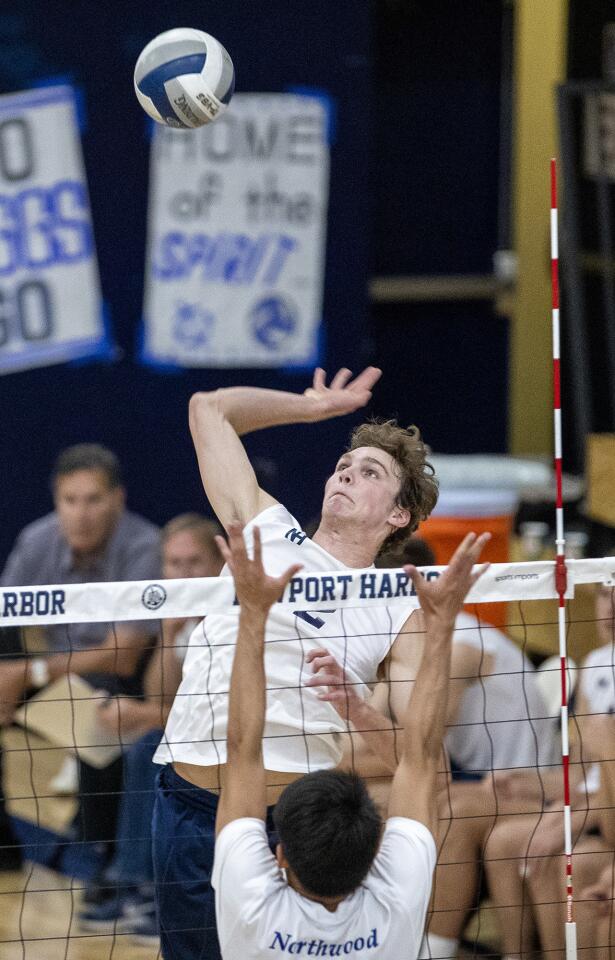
(183, 837)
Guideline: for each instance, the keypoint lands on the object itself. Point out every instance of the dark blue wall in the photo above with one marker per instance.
(435, 202)
(431, 144)
(140, 413)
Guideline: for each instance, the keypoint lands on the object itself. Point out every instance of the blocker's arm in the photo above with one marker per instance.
(244, 788)
(413, 793)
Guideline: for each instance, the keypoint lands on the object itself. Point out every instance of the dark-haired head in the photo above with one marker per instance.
(329, 831)
(88, 456)
(88, 496)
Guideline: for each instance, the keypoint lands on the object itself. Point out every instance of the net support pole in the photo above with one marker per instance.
(560, 567)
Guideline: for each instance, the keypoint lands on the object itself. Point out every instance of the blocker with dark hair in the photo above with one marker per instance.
(329, 829)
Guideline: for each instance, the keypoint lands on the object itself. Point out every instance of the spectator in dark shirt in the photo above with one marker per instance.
(90, 536)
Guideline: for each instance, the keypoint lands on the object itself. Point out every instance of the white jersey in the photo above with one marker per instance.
(502, 720)
(597, 679)
(302, 733)
(260, 916)
(597, 685)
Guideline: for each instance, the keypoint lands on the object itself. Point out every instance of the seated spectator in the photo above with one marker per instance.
(188, 550)
(535, 842)
(89, 536)
(493, 693)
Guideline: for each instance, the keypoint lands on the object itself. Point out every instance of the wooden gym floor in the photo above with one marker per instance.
(38, 906)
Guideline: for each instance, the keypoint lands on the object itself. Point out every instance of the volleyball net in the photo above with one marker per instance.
(499, 799)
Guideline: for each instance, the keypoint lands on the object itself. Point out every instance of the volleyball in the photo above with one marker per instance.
(184, 78)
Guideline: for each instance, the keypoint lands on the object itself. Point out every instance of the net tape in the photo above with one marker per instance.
(146, 599)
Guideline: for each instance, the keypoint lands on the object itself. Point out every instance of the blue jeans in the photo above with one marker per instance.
(184, 835)
(132, 861)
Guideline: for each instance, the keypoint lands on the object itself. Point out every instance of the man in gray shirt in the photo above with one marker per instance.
(90, 536)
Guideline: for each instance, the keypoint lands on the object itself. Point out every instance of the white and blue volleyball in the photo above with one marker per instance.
(184, 78)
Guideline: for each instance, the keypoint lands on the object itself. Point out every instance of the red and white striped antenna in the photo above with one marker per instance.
(560, 566)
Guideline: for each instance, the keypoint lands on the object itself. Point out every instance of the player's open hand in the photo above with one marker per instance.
(328, 673)
(256, 591)
(343, 395)
(442, 598)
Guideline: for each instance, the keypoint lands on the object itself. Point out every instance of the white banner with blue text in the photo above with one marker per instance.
(51, 309)
(236, 236)
(199, 596)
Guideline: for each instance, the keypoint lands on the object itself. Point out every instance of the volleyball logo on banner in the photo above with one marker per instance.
(50, 302)
(236, 240)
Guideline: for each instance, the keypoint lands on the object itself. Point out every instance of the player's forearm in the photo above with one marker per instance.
(425, 716)
(251, 408)
(247, 696)
(377, 733)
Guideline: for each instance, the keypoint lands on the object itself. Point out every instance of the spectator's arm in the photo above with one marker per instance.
(119, 654)
(468, 664)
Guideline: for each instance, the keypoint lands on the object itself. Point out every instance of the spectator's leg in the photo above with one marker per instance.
(99, 799)
(100, 789)
(132, 863)
(11, 857)
(466, 819)
(548, 892)
(505, 863)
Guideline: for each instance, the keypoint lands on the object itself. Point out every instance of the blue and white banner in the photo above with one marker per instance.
(199, 596)
(236, 236)
(50, 303)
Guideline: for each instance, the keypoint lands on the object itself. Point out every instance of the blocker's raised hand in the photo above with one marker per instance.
(343, 395)
(256, 591)
(443, 598)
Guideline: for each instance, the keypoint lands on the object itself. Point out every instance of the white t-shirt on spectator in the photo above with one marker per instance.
(260, 916)
(502, 721)
(597, 685)
(597, 680)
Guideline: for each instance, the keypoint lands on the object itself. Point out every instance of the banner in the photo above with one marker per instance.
(50, 302)
(236, 236)
(198, 596)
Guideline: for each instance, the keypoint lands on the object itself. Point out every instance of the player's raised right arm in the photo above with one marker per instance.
(219, 418)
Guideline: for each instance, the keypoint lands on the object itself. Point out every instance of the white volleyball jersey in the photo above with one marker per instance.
(260, 916)
(302, 733)
(596, 682)
(502, 719)
(597, 679)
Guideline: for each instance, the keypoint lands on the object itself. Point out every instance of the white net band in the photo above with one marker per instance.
(147, 600)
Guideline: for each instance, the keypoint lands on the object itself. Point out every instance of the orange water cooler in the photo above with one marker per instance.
(462, 511)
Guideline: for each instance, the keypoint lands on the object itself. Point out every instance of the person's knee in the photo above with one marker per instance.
(506, 842)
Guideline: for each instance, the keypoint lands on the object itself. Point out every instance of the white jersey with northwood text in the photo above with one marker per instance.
(260, 916)
(302, 733)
